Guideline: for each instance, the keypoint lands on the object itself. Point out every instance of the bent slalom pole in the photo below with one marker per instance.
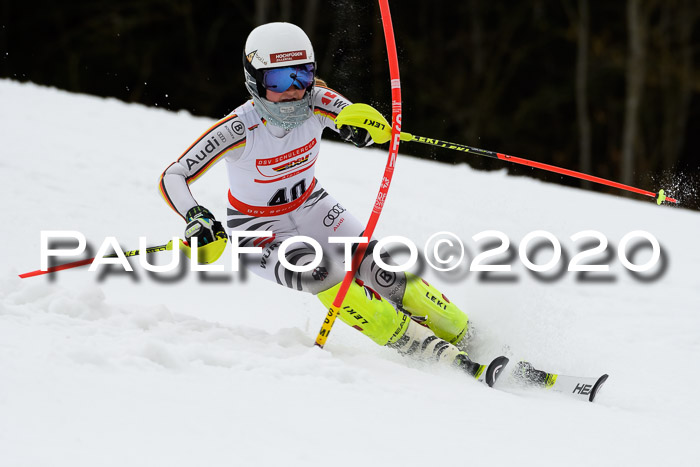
(206, 254)
(364, 116)
(386, 180)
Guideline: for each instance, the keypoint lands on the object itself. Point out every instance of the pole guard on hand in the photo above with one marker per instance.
(367, 117)
(208, 253)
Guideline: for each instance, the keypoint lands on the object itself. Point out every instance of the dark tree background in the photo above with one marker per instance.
(607, 88)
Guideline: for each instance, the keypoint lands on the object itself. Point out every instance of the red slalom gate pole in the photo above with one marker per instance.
(386, 180)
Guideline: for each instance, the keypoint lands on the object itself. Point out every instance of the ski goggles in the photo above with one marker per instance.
(281, 79)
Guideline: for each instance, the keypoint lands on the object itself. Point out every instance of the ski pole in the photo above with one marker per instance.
(83, 262)
(660, 196)
(386, 181)
(365, 116)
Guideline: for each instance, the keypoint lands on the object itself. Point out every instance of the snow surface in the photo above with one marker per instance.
(126, 370)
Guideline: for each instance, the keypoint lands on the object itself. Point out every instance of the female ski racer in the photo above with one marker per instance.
(270, 145)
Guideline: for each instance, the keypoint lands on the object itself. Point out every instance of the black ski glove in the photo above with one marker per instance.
(202, 224)
(357, 136)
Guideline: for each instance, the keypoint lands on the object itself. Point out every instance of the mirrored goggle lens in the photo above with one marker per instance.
(281, 79)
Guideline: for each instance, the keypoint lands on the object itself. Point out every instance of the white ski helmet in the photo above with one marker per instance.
(277, 56)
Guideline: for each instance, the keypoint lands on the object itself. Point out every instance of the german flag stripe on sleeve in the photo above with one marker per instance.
(325, 113)
(205, 167)
(219, 123)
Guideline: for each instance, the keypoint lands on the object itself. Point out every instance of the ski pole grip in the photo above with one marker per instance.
(406, 136)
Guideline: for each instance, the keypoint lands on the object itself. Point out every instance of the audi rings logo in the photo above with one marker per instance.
(333, 214)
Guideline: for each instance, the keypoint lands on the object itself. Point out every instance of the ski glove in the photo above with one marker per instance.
(357, 136)
(202, 224)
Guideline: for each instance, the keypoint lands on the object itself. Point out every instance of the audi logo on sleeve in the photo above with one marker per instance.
(333, 214)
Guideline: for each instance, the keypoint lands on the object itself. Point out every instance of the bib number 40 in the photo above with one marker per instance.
(280, 197)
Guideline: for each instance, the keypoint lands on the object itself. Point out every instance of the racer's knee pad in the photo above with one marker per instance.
(366, 311)
(421, 299)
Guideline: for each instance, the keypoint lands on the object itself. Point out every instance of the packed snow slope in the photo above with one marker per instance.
(131, 369)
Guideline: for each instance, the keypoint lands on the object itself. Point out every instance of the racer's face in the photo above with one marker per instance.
(291, 94)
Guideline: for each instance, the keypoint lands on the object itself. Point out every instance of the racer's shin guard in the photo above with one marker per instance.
(366, 311)
(421, 299)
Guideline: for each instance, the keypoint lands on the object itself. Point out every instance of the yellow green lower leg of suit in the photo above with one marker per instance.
(366, 311)
(421, 299)
(375, 317)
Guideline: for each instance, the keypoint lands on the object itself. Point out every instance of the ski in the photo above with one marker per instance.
(579, 387)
